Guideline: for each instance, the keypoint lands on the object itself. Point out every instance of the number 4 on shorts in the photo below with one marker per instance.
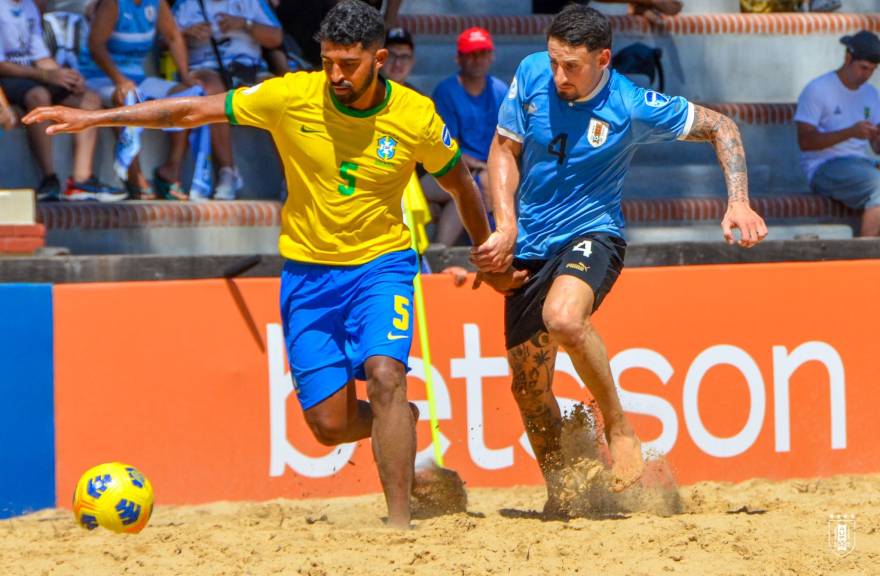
(586, 247)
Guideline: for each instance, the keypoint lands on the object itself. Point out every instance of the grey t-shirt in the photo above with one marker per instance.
(830, 106)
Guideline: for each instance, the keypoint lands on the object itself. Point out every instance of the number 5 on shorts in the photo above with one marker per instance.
(586, 247)
(401, 321)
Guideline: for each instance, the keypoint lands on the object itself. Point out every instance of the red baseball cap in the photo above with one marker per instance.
(474, 39)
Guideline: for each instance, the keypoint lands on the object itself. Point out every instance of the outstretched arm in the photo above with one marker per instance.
(168, 113)
(722, 132)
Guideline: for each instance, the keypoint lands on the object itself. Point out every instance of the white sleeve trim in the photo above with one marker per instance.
(689, 123)
(508, 134)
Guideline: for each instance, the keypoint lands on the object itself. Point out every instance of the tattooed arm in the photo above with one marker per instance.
(722, 132)
(169, 113)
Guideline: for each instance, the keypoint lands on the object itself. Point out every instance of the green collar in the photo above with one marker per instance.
(362, 113)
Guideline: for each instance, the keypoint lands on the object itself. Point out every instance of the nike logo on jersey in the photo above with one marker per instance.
(396, 336)
(305, 129)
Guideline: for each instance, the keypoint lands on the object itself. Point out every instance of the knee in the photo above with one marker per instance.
(212, 82)
(386, 384)
(37, 97)
(565, 326)
(90, 101)
(328, 429)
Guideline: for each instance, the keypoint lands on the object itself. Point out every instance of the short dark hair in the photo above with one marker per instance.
(352, 22)
(579, 25)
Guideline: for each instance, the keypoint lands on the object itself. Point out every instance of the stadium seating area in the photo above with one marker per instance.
(749, 66)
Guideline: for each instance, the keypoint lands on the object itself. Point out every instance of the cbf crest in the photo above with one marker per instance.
(597, 132)
(387, 148)
(842, 533)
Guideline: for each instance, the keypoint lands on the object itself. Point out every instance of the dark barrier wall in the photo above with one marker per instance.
(27, 421)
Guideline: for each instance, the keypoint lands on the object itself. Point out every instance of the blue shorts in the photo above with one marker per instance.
(851, 180)
(335, 317)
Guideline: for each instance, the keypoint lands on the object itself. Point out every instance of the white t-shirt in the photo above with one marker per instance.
(830, 106)
(21, 33)
(238, 46)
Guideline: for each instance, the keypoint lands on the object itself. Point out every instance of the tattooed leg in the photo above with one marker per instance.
(568, 317)
(532, 366)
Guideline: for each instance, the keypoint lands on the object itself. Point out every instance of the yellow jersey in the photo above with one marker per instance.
(346, 169)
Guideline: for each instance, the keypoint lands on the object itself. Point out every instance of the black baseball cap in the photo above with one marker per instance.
(863, 45)
(399, 35)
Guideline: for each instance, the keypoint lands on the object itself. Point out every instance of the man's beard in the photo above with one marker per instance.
(355, 95)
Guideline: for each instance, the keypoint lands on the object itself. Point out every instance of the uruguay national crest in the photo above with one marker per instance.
(841, 533)
(387, 147)
(597, 132)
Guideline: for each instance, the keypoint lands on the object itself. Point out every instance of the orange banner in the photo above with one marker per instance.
(734, 372)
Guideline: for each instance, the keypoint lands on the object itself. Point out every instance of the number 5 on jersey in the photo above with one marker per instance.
(345, 171)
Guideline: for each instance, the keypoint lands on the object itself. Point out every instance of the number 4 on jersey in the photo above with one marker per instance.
(586, 247)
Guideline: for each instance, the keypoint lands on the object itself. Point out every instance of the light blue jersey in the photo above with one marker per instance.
(132, 40)
(576, 154)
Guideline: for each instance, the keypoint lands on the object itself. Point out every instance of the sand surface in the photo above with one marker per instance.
(757, 527)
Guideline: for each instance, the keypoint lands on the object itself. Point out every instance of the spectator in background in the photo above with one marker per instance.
(468, 102)
(769, 6)
(401, 56)
(301, 19)
(238, 30)
(837, 117)
(31, 78)
(653, 10)
(122, 35)
(7, 115)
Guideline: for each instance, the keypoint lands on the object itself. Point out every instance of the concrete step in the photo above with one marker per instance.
(712, 233)
(253, 151)
(251, 227)
(707, 57)
(659, 170)
(524, 7)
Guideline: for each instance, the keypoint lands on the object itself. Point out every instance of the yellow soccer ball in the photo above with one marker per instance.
(114, 495)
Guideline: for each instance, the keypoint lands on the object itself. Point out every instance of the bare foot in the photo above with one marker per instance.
(627, 464)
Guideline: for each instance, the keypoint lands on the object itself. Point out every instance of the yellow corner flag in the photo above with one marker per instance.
(417, 214)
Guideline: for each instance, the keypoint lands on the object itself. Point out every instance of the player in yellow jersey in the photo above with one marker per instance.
(349, 142)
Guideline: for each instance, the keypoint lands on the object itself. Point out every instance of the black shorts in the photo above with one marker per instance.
(597, 259)
(17, 88)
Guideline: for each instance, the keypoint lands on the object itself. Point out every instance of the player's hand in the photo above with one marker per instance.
(496, 253)
(863, 130)
(199, 32)
(123, 87)
(503, 282)
(229, 23)
(62, 118)
(752, 228)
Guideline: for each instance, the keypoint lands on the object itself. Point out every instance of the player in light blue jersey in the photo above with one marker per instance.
(566, 134)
